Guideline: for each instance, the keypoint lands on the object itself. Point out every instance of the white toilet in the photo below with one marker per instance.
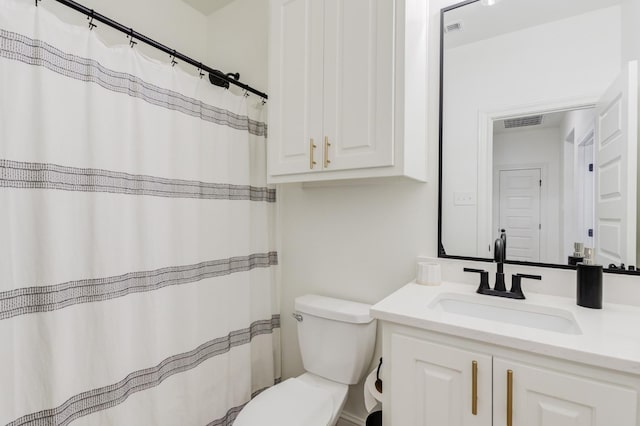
(337, 339)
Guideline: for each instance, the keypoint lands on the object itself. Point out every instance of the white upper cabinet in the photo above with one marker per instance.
(347, 89)
(296, 74)
(358, 83)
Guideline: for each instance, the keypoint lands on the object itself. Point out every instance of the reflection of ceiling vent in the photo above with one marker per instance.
(453, 26)
(532, 120)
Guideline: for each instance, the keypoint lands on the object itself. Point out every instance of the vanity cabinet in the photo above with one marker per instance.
(347, 89)
(432, 380)
(545, 397)
(436, 384)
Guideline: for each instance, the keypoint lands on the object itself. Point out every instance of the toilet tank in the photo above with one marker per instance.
(336, 337)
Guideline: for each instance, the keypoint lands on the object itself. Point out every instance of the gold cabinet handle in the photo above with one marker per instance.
(312, 147)
(509, 397)
(474, 388)
(326, 152)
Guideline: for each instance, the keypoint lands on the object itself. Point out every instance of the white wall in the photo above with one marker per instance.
(170, 22)
(630, 30)
(237, 37)
(537, 147)
(561, 60)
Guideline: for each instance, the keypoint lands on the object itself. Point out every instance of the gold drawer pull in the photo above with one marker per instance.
(312, 147)
(509, 398)
(326, 152)
(474, 388)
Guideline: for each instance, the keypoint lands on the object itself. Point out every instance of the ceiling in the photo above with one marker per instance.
(482, 22)
(207, 6)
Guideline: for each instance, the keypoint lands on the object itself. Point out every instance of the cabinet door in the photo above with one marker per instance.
(432, 384)
(358, 83)
(295, 85)
(544, 397)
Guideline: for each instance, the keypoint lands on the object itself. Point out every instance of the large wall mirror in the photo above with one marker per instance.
(539, 130)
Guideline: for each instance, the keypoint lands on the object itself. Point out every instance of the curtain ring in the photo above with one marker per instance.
(132, 42)
(90, 18)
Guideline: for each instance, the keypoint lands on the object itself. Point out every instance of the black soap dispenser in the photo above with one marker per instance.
(589, 284)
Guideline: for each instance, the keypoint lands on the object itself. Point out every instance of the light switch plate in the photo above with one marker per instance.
(464, 199)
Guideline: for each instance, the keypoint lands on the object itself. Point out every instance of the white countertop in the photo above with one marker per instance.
(610, 336)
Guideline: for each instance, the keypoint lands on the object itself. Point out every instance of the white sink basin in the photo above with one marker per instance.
(507, 311)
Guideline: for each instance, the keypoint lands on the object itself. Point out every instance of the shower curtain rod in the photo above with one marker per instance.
(134, 35)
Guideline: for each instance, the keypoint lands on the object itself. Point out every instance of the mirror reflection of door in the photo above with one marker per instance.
(519, 212)
(616, 163)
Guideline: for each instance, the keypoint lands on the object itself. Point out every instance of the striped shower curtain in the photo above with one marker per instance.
(137, 254)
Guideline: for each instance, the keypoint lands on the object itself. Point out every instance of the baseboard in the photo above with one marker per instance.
(348, 419)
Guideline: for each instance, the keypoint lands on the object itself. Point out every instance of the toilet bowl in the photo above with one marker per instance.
(304, 400)
(336, 339)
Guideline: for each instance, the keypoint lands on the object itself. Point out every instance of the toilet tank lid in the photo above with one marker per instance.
(334, 309)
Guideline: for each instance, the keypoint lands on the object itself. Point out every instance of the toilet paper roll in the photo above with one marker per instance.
(372, 397)
(429, 273)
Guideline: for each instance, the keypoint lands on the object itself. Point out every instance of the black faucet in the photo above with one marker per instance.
(499, 256)
(499, 288)
(516, 284)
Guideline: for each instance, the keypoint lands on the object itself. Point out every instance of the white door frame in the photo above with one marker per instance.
(579, 177)
(544, 201)
(485, 154)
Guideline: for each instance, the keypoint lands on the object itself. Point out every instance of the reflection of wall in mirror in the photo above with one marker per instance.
(630, 30)
(559, 60)
(575, 129)
(631, 51)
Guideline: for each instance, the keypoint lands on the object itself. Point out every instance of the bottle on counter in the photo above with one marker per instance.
(589, 282)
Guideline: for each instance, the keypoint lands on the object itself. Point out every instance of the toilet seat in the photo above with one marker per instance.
(306, 400)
